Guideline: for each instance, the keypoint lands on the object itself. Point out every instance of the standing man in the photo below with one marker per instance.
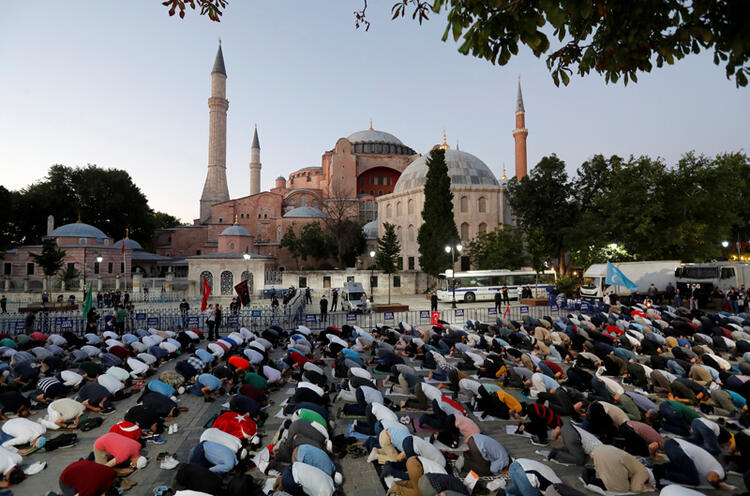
(334, 299)
(498, 301)
(217, 324)
(693, 296)
(120, 316)
(308, 295)
(324, 309)
(433, 301)
(669, 292)
(211, 321)
(3, 304)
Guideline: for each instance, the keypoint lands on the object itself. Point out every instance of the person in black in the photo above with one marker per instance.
(498, 301)
(28, 323)
(506, 299)
(324, 309)
(274, 303)
(308, 295)
(218, 320)
(145, 418)
(198, 478)
(3, 304)
(334, 300)
(126, 298)
(433, 302)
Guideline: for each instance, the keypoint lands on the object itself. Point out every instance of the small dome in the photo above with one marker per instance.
(370, 230)
(373, 136)
(130, 244)
(235, 230)
(464, 169)
(77, 230)
(304, 212)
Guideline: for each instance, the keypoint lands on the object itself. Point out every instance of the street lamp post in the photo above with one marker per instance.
(247, 258)
(99, 259)
(372, 274)
(452, 250)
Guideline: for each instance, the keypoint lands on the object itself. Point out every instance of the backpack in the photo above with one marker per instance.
(90, 423)
(65, 439)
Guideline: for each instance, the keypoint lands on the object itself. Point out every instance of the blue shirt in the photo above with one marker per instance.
(351, 355)
(492, 451)
(205, 356)
(316, 457)
(643, 403)
(397, 431)
(549, 382)
(210, 381)
(737, 399)
(161, 387)
(222, 458)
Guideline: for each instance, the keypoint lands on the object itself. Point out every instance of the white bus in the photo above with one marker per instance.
(476, 285)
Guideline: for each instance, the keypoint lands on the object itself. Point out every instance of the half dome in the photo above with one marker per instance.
(130, 244)
(78, 230)
(304, 212)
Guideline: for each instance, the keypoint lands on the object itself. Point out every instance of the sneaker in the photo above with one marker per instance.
(108, 410)
(169, 462)
(175, 428)
(156, 440)
(538, 442)
(372, 456)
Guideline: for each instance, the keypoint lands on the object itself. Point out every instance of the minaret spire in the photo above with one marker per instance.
(215, 189)
(520, 134)
(255, 164)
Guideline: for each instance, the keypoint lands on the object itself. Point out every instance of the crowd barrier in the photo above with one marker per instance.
(287, 316)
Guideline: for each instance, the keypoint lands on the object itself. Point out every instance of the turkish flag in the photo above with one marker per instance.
(434, 318)
(206, 292)
(507, 309)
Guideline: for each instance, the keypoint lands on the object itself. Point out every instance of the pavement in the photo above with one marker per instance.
(360, 477)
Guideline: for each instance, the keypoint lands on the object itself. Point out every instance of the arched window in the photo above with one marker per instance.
(388, 211)
(227, 283)
(464, 204)
(278, 234)
(231, 246)
(398, 209)
(465, 231)
(482, 204)
(398, 234)
(380, 192)
(303, 201)
(410, 234)
(482, 228)
(209, 277)
(410, 207)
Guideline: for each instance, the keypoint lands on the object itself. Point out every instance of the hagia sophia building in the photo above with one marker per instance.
(381, 177)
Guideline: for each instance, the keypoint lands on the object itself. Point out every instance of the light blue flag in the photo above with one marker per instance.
(615, 277)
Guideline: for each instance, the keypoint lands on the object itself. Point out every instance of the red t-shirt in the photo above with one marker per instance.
(454, 404)
(297, 357)
(127, 429)
(252, 392)
(239, 426)
(239, 362)
(119, 352)
(120, 447)
(553, 366)
(88, 478)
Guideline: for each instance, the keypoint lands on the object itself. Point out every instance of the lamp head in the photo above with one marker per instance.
(725, 243)
(447, 249)
(459, 247)
(246, 256)
(99, 259)
(372, 254)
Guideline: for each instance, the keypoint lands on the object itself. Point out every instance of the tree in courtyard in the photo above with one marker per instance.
(342, 225)
(68, 275)
(314, 243)
(545, 211)
(389, 251)
(614, 38)
(439, 226)
(51, 259)
(291, 242)
(502, 248)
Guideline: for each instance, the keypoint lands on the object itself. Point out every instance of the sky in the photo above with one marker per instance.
(123, 85)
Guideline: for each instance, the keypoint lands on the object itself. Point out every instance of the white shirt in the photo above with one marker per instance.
(431, 466)
(314, 481)
(118, 373)
(382, 412)
(271, 374)
(218, 436)
(23, 430)
(8, 460)
(430, 391)
(110, 382)
(612, 386)
(427, 450)
(360, 372)
(703, 460)
(253, 356)
(677, 490)
(711, 425)
(535, 466)
(71, 378)
(147, 358)
(137, 366)
(470, 385)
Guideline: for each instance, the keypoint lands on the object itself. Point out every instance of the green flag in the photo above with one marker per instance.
(87, 303)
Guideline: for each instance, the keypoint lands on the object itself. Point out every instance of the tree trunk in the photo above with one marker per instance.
(389, 289)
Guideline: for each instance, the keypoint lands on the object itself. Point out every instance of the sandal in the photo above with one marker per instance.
(356, 451)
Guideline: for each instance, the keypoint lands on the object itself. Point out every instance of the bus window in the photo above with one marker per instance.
(498, 280)
(547, 279)
(727, 272)
(443, 285)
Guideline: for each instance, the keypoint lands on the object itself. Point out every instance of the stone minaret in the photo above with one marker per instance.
(255, 164)
(520, 134)
(215, 190)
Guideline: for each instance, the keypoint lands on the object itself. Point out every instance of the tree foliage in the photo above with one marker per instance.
(502, 248)
(634, 209)
(389, 251)
(439, 227)
(105, 198)
(614, 38)
(50, 259)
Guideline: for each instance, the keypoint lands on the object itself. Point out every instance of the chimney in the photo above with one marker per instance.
(50, 224)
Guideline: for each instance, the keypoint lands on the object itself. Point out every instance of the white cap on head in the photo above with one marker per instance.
(141, 462)
(329, 445)
(180, 390)
(255, 440)
(243, 453)
(173, 399)
(338, 478)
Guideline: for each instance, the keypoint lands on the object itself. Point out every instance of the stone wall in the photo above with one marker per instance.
(320, 281)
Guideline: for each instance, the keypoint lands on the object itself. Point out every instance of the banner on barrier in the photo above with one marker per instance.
(459, 312)
(233, 320)
(19, 325)
(554, 308)
(140, 316)
(434, 318)
(524, 309)
(66, 324)
(387, 315)
(193, 321)
(274, 322)
(152, 321)
(424, 315)
(256, 313)
(584, 307)
(351, 317)
(492, 311)
(311, 318)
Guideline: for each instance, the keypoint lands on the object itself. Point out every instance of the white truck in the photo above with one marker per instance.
(353, 298)
(710, 276)
(643, 274)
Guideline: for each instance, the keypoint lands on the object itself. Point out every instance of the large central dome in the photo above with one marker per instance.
(378, 142)
(464, 169)
(373, 136)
